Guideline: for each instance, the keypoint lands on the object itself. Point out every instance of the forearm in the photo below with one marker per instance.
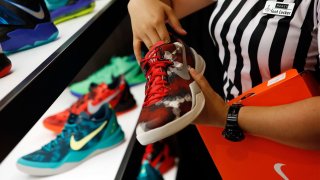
(296, 124)
(183, 8)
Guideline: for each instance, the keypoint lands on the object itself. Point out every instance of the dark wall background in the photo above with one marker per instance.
(118, 44)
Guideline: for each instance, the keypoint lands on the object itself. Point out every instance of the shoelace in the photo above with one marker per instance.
(60, 137)
(156, 87)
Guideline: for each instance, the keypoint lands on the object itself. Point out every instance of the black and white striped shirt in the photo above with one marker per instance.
(254, 47)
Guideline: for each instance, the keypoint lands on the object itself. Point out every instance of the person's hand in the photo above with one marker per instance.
(148, 21)
(215, 110)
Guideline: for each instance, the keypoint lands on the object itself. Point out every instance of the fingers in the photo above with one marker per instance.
(153, 37)
(137, 49)
(148, 21)
(146, 40)
(163, 33)
(174, 22)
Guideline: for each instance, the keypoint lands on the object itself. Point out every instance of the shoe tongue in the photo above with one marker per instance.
(100, 87)
(75, 119)
(155, 51)
(84, 115)
(92, 86)
(154, 48)
(72, 119)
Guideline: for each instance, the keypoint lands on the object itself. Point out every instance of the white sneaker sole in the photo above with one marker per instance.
(63, 168)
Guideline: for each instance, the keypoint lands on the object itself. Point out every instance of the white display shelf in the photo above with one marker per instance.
(25, 62)
(103, 166)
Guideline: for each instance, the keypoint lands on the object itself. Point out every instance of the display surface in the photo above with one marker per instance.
(40, 74)
(24, 25)
(25, 62)
(83, 136)
(119, 65)
(103, 166)
(117, 94)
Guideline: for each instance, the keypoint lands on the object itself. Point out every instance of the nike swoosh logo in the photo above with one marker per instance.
(77, 145)
(277, 168)
(181, 69)
(94, 108)
(37, 14)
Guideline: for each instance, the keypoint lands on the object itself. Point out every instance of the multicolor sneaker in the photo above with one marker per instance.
(126, 65)
(24, 24)
(82, 138)
(63, 10)
(172, 97)
(157, 160)
(57, 121)
(147, 172)
(5, 65)
(117, 94)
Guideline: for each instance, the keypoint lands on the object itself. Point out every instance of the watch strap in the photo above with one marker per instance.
(232, 130)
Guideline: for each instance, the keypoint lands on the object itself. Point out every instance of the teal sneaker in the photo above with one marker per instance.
(82, 137)
(126, 65)
(147, 172)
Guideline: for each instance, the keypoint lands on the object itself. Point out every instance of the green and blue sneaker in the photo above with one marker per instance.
(82, 137)
(63, 10)
(129, 67)
(126, 65)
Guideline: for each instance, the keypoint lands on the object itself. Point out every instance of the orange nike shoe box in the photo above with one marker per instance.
(258, 158)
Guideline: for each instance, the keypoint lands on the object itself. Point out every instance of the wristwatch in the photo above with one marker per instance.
(232, 131)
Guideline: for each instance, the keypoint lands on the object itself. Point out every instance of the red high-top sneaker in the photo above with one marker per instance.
(172, 97)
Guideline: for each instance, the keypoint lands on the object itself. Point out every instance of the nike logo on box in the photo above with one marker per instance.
(277, 168)
(77, 145)
(37, 14)
(94, 108)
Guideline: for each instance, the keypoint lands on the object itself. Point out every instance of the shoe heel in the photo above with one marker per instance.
(116, 138)
(126, 102)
